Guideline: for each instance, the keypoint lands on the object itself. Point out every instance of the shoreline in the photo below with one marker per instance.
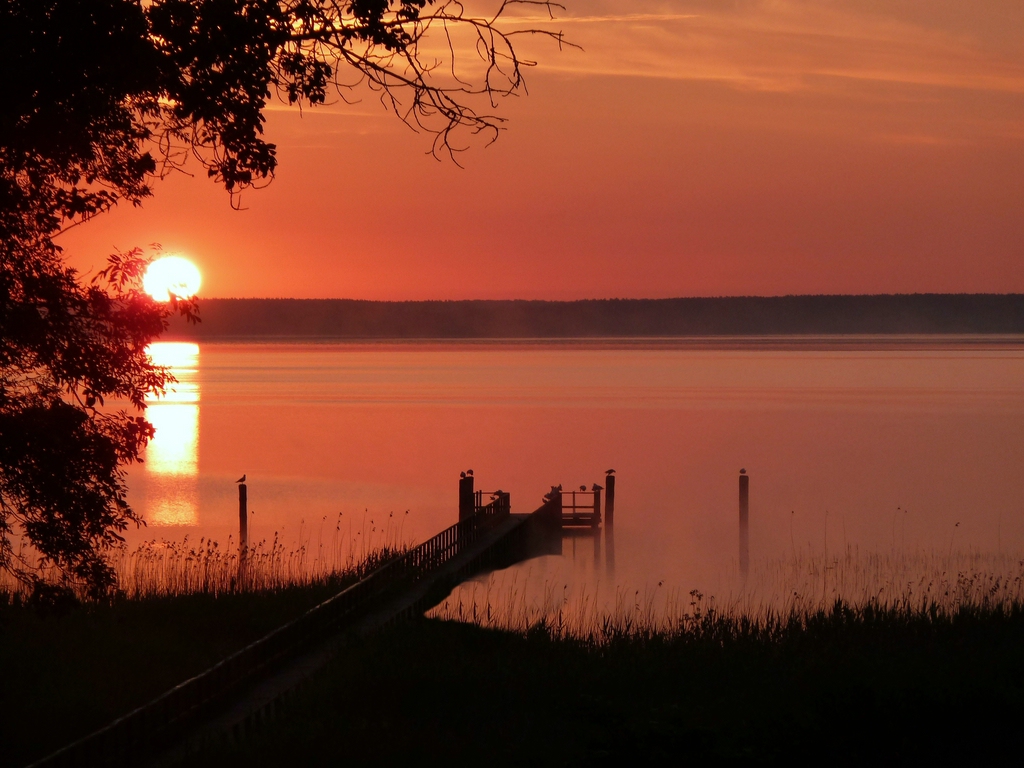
(908, 315)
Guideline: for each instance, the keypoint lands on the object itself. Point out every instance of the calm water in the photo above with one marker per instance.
(872, 444)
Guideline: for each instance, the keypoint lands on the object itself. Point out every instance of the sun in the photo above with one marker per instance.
(172, 275)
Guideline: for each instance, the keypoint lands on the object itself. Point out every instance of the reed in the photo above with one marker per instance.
(777, 593)
(167, 568)
(842, 685)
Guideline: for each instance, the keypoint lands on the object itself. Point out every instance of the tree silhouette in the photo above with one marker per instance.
(102, 98)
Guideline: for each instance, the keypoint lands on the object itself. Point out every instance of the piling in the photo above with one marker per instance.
(744, 522)
(467, 499)
(609, 501)
(596, 522)
(243, 518)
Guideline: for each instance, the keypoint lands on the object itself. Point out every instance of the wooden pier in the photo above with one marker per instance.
(248, 686)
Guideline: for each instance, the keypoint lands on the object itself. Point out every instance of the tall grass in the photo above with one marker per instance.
(776, 593)
(168, 568)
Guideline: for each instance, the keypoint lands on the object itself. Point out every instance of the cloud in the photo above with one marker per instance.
(790, 44)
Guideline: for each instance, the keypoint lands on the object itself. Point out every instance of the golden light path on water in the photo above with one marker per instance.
(172, 457)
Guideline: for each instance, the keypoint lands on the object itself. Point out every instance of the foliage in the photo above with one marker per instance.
(67, 349)
(111, 93)
(103, 97)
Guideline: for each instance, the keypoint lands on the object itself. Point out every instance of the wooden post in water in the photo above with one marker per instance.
(243, 519)
(609, 522)
(609, 501)
(744, 522)
(467, 498)
(597, 506)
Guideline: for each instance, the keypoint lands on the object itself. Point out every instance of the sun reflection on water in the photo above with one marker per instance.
(175, 450)
(172, 457)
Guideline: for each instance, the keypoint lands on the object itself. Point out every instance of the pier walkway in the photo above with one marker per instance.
(247, 687)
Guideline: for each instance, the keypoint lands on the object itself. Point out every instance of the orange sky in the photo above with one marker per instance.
(697, 147)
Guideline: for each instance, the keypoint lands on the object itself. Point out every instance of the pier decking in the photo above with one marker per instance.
(247, 686)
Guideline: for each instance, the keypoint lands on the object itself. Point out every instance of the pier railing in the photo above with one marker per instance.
(496, 499)
(582, 508)
(155, 724)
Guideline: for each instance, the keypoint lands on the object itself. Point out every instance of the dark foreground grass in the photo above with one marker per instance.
(70, 670)
(838, 688)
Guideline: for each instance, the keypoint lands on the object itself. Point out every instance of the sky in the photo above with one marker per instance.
(691, 148)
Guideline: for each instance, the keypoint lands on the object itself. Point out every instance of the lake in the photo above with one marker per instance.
(867, 445)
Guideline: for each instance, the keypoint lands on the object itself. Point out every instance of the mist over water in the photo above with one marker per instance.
(883, 447)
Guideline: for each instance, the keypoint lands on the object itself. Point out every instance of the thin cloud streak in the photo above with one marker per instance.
(625, 17)
(781, 46)
(337, 109)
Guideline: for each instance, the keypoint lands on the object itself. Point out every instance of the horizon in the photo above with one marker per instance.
(673, 317)
(611, 298)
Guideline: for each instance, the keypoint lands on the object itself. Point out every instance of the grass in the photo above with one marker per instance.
(166, 568)
(922, 662)
(803, 584)
(72, 668)
(839, 660)
(840, 686)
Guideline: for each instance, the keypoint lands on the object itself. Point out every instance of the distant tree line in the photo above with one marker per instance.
(742, 316)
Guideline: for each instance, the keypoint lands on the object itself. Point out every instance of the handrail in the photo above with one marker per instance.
(145, 724)
(496, 498)
(595, 498)
(574, 514)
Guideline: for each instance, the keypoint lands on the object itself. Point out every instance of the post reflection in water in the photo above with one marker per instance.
(172, 457)
(609, 548)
